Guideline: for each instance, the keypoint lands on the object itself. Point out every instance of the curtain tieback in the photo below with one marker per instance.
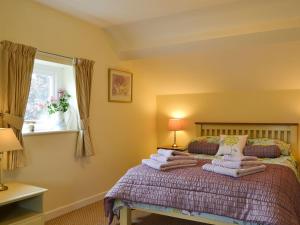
(84, 123)
(14, 121)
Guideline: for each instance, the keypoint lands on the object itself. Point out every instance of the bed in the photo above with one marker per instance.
(285, 166)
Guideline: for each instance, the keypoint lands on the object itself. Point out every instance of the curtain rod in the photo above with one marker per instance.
(48, 53)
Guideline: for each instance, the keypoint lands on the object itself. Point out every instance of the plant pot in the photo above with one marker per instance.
(60, 120)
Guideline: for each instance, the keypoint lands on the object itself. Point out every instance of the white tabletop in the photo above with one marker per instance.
(18, 191)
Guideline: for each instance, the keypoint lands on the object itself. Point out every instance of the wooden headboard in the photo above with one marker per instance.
(287, 132)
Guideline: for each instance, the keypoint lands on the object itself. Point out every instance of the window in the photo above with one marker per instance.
(42, 88)
(45, 109)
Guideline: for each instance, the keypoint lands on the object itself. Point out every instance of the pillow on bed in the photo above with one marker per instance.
(201, 147)
(285, 148)
(232, 144)
(262, 151)
(208, 139)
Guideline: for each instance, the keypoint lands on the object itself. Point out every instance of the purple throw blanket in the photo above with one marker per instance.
(271, 197)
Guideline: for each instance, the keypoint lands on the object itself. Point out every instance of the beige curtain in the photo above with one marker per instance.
(83, 74)
(16, 65)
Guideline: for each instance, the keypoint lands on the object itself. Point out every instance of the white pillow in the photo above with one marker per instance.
(232, 145)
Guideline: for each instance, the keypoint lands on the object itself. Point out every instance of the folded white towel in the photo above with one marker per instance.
(170, 165)
(236, 164)
(164, 159)
(239, 158)
(233, 172)
(168, 153)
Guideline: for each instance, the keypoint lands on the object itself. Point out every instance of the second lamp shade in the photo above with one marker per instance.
(176, 124)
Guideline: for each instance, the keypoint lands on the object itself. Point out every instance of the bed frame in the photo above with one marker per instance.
(287, 132)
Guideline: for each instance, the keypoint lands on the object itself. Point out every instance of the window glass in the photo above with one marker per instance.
(42, 88)
(52, 101)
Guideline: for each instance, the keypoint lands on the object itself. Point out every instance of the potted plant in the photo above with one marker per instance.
(58, 106)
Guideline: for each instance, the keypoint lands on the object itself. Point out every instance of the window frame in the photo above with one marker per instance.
(41, 67)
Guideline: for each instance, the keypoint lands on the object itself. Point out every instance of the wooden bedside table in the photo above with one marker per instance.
(21, 204)
(178, 148)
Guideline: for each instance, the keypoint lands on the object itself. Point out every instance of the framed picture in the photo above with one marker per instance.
(119, 86)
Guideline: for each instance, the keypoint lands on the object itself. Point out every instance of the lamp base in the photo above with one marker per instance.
(174, 146)
(3, 187)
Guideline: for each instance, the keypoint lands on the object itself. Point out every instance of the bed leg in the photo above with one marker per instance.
(125, 216)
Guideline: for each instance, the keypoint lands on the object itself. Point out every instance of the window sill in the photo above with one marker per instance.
(48, 132)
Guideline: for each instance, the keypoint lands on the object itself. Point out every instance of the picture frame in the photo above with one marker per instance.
(119, 86)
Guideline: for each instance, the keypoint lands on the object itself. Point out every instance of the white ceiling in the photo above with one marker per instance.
(141, 28)
(114, 12)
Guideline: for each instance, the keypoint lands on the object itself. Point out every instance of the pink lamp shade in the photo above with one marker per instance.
(176, 124)
(8, 140)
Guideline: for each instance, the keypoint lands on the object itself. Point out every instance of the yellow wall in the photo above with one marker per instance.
(238, 79)
(121, 133)
(234, 70)
(261, 61)
(238, 106)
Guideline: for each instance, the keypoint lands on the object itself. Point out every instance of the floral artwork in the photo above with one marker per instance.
(232, 144)
(231, 140)
(120, 86)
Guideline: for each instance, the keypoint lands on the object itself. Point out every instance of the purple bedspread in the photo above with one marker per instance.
(271, 197)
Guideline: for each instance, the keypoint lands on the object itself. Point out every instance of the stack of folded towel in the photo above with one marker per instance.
(235, 166)
(169, 159)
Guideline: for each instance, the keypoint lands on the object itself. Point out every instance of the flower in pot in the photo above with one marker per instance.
(59, 105)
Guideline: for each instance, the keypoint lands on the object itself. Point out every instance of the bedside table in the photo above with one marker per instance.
(21, 204)
(178, 148)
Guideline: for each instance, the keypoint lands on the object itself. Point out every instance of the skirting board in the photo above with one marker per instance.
(73, 206)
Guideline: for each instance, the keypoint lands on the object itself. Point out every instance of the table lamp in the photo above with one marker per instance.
(8, 142)
(176, 125)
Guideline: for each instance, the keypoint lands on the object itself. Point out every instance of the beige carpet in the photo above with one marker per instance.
(94, 215)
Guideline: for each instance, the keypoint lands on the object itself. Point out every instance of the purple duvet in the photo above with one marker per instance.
(270, 197)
